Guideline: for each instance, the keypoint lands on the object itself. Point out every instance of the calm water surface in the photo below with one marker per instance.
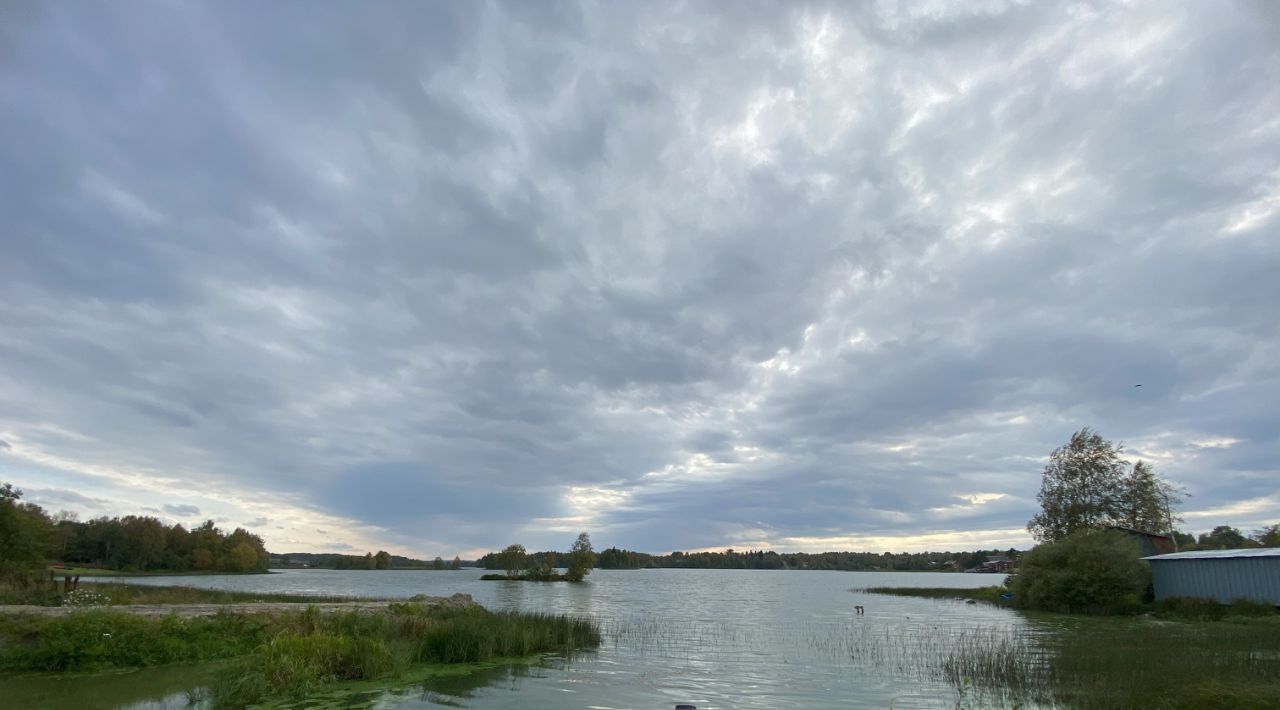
(715, 638)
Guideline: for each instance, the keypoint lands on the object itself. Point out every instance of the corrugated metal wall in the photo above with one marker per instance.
(1223, 579)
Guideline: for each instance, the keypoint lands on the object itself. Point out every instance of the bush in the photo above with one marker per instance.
(1089, 572)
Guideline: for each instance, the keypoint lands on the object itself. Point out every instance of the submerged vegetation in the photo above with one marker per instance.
(286, 655)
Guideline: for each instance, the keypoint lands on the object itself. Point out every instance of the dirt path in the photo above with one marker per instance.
(192, 610)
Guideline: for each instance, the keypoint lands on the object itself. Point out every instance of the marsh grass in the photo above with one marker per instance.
(1101, 663)
(552, 577)
(1170, 665)
(286, 654)
(309, 651)
(982, 594)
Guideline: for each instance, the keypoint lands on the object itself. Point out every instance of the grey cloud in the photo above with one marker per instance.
(434, 267)
(183, 510)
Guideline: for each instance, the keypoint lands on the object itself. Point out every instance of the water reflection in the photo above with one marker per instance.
(715, 638)
(167, 688)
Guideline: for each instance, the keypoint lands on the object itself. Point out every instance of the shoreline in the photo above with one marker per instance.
(189, 611)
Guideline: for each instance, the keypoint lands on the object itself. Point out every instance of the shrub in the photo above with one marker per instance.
(1089, 571)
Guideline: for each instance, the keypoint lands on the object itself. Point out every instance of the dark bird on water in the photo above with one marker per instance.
(1137, 385)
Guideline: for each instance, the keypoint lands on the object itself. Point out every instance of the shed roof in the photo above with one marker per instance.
(1218, 554)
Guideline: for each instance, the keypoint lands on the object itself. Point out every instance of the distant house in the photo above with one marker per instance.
(1222, 575)
(998, 564)
(1149, 543)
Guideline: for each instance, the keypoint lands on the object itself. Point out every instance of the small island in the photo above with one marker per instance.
(520, 566)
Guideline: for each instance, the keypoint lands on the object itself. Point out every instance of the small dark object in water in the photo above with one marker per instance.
(971, 601)
(858, 608)
(683, 706)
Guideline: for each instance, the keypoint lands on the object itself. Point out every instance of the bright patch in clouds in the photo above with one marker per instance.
(437, 277)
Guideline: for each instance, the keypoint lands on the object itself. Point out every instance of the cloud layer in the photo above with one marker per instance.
(437, 277)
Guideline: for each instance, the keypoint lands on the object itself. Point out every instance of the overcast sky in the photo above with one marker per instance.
(439, 277)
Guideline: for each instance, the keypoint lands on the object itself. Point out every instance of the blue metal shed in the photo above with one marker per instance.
(1223, 575)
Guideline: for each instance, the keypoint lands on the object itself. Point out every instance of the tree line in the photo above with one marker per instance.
(615, 558)
(368, 561)
(29, 537)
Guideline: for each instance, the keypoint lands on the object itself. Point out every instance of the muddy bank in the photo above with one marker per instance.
(193, 610)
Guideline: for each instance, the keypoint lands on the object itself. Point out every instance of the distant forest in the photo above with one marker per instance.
(368, 561)
(144, 544)
(614, 558)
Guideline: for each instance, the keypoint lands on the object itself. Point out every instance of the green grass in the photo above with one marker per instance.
(983, 594)
(1185, 654)
(1120, 664)
(100, 639)
(313, 651)
(1196, 609)
(553, 577)
(291, 655)
(60, 572)
(118, 593)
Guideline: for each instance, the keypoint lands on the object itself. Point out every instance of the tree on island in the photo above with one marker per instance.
(541, 566)
(437, 563)
(1087, 485)
(456, 564)
(382, 560)
(581, 558)
(512, 559)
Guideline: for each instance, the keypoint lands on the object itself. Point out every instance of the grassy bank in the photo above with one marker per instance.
(287, 655)
(99, 639)
(82, 572)
(118, 593)
(982, 594)
(553, 577)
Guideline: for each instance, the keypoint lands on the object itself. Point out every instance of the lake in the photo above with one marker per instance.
(718, 639)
